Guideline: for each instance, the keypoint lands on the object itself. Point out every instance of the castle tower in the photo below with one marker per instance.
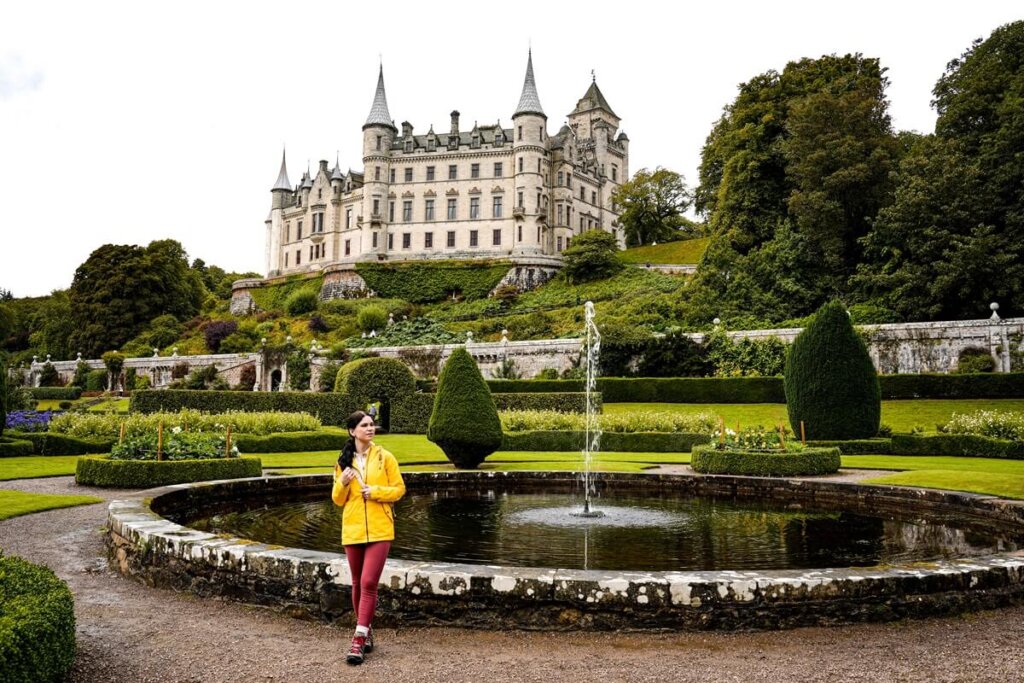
(275, 223)
(529, 131)
(378, 133)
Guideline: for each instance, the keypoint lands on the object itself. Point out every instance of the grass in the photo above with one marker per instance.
(1003, 485)
(902, 416)
(15, 503)
(33, 466)
(683, 251)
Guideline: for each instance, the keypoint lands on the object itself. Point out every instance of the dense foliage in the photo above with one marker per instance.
(3, 396)
(465, 421)
(708, 459)
(108, 425)
(593, 255)
(102, 471)
(831, 384)
(330, 409)
(653, 204)
(426, 282)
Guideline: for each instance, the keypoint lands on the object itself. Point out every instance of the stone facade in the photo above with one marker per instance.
(486, 192)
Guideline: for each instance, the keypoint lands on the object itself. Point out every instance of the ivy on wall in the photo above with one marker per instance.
(427, 282)
(273, 297)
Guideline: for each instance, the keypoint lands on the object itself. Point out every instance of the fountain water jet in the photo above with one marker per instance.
(592, 435)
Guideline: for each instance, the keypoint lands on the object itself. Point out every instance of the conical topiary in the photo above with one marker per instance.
(465, 421)
(831, 383)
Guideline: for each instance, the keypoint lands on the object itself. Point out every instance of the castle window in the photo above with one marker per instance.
(475, 142)
(561, 178)
(519, 203)
(538, 234)
(298, 257)
(286, 259)
(520, 164)
(452, 209)
(428, 240)
(391, 212)
(496, 238)
(559, 214)
(348, 218)
(391, 241)
(451, 238)
(348, 247)
(408, 175)
(540, 132)
(298, 231)
(474, 207)
(499, 138)
(559, 241)
(538, 165)
(583, 193)
(581, 223)
(376, 207)
(407, 211)
(319, 193)
(408, 145)
(428, 210)
(453, 172)
(391, 175)
(430, 172)
(498, 169)
(615, 233)
(431, 144)
(568, 180)
(593, 198)
(311, 253)
(520, 233)
(473, 238)
(288, 232)
(376, 172)
(496, 207)
(378, 142)
(520, 132)
(474, 171)
(406, 240)
(374, 240)
(538, 201)
(318, 221)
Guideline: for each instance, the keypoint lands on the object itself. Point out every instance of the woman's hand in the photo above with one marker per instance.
(347, 475)
(366, 492)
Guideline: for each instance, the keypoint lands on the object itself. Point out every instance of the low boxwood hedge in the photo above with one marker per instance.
(290, 442)
(857, 446)
(631, 442)
(411, 415)
(56, 393)
(707, 459)
(532, 386)
(969, 445)
(50, 443)
(13, 448)
(37, 623)
(332, 409)
(934, 385)
(100, 470)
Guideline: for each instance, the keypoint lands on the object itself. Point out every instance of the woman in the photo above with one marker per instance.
(366, 485)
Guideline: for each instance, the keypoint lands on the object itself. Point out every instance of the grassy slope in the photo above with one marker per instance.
(14, 503)
(683, 251)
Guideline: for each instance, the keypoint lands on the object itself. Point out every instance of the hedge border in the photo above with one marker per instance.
(857, 446)
(56, 393)
(100, 470)
(15, 448)
(624, 442)
(411, 415)
(37, 627)
(959, 445)
(707, 459)
(52, 443)
(289, 442)
(331, 408)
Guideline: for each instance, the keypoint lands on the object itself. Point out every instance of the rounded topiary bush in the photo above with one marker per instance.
(372, 318)
(37, 623)
(831, 384)
(367, 380)
(302, 301)
(464, 422)
(708, 459)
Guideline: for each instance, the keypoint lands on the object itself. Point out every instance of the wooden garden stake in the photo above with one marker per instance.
(782, 436)
(227, 444)
(120, 439)
(160, 441)
(803, 434)
(721, 431)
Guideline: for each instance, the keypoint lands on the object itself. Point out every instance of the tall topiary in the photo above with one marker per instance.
(464, 422)
(831, 383)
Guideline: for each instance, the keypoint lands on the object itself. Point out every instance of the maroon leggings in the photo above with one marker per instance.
(366, 561)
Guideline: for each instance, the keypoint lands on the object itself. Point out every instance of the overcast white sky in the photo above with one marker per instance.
(125, 122)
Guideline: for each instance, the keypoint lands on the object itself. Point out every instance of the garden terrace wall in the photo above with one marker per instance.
(312, 584)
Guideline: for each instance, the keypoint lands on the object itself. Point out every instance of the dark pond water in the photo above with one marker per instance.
(637, 532)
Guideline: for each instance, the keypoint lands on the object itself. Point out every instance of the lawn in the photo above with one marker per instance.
(14, 503)
(682, 251)
(30, 467)
(902, 416)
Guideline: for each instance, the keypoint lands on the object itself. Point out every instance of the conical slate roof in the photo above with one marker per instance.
(379, 114)
(593, 99)
(529, 101)
(282, 177)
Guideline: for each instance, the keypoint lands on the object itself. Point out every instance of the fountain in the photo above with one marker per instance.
(592, 430)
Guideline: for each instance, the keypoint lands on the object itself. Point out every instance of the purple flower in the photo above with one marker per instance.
(30, 420)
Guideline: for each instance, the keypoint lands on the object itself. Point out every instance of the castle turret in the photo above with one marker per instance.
(529, 125)
(280, 193)
(378, 134)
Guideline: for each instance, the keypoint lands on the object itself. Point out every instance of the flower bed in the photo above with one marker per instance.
(711, 459)
(176, 444)
(108, 426)
(30, 420)
(997, 424)
(624, 423)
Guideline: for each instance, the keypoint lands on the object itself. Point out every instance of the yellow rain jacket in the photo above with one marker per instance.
(368, 521)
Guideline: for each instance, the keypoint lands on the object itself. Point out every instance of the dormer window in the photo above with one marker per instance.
(499, 138)
(475, 141)
(408, 145)
(431, 144)
(453, 142)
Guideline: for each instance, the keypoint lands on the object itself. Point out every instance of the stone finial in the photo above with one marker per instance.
(174, 352)
(263, 341)
(47, 358)
(156, 352)
(504, 336)
(469, 336)
(364, 335)
(79, 356)
(391, 319)
(288, 339)
(716, 322)
(35, 360)
(995, 316)
(373, 334)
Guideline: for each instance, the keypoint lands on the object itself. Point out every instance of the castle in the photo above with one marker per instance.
(490, 192)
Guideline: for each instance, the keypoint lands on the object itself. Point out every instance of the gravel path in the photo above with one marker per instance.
(128, 632)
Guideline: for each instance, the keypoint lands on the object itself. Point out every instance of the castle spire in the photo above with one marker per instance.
(379, 115)
(529, 101)
(282, 177)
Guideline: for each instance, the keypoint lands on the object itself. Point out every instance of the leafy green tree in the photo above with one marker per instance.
(593, 255)
(831, 384)
(52, 326)
(653, 204)
(464, 422)
(48, 376)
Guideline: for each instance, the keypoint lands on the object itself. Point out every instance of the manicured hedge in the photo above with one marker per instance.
(100, 470)
(707, 459)
(12, 448)
(634, 442)
(529, 386)
(56, 393)
(563, 402)
(981, 385)
(289, 442)
(37, 623)
(970, 445)
(50, 443)
(332, 409)
(857, 446)
(411, 415)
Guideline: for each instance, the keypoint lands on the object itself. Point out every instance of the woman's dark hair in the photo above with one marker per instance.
(348, 451)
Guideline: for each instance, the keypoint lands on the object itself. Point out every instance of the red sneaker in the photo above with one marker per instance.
(368, 646)
(355, 653)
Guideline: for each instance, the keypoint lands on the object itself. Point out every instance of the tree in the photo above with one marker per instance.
(464, 422)
(652, 206)
(593, 255)
(831, 384)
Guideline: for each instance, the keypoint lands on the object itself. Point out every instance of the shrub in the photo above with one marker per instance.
(317, 324)
(179, 370)
(12, 448)
(174, 444)
(368, 380)
(674, 355)
(101, 471)
(857, 446)
(562, 402)
(550, 420)
(291, 442)
(37, 623)
(464, 422)
(411, 414)
(632, 442)
(372, 318)
(331, 409)
(48, 443)
(831, 383)
(108, 426)
(302, 301)
(621, 346)
(3, 396)
(995, 423)
(428, 282)
(507, 370)
(96, 380)
(966, 445)
(81, 377)
(48, 376)
(547, 373)
(973, 360)
(593, 255)
(29, 420)
(216, 331)
(935, 385)
(131, 376)
(238, 342)
(707, 459)
(69, 393)
(164, 330)
(201, 379)
(246, 378)
(745, 358)
(114, 362)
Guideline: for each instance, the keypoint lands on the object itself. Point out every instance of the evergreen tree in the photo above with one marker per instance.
(464, 422)
(831, 383)
(652, 206)
(593, 255)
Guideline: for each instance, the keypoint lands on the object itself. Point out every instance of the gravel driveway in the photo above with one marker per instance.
(128, 632)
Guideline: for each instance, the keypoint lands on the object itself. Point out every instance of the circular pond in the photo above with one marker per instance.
(501, 550)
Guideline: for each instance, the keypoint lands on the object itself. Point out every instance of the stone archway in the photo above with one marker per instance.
(275, 380)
